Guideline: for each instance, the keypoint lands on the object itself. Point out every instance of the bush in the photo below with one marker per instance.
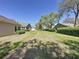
(50, 30)
(74, 31)
(20, 31)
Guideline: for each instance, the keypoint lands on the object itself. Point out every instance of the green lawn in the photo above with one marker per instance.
(64, 44)
(45, 35)
(71, 41)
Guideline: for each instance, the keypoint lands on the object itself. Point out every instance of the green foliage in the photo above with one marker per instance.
(73, 45)
(20, 31)
(5, 48)
(16, 44)
(51, 50)
(39, 26)
(48, 21)
(70, 7)
(4, 51)
(29, 27)
(74, 31)
(50, 30)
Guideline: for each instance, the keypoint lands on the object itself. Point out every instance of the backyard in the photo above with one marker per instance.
(39, 29)
(61, 45)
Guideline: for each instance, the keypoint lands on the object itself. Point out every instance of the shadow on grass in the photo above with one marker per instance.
(37, 49)
(47, 50)
(74, 45)
(6, 47)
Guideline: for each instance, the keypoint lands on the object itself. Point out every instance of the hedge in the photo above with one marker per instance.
(20, 31)
(50, 30)
(74, 31)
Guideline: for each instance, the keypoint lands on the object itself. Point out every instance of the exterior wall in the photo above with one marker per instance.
(6, 29)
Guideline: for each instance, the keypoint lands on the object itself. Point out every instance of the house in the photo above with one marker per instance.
(71, 21)
(28, 27)
(8, 26)
(23, 26)
(59, 25)
(33, 29)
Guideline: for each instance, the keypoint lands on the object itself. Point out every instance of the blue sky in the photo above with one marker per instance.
(27, 11)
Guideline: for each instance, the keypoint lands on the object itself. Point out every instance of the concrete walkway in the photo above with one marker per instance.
(11, 38)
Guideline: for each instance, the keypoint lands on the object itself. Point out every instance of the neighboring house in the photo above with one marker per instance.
(26, 27)
(33, 29)
(23, 28)
(68, 24)
(71, 21)
(59, 25)
(29, 27)
(8, 26)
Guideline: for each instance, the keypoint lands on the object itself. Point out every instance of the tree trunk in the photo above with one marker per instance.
(75, 22)
(50, 25)
(75, 19)
(58, 20)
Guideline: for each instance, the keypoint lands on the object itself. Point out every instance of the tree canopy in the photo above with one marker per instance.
(70, 6)
(48, 20)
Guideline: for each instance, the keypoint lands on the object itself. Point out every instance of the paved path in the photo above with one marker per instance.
(15, 38)
(12, 38)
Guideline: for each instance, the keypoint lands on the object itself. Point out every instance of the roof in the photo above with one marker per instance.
(68, 24)
(71, 21)
(59, 25)
(7, 20)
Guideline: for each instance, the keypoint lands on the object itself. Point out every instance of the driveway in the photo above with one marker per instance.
(12, 38)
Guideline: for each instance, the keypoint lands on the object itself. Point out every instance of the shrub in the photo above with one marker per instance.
(20, 31)
(74, 31)
(50, 30)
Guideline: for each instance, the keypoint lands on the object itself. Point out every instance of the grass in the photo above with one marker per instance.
(71, 41)
(53, 35)
(62, 37)
(7, 47)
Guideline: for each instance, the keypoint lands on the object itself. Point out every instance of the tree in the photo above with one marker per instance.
(29, 27)
(39, 25)
(44, 21)
(48, 20)
(54, 17)
(70, 6)
(71, 21)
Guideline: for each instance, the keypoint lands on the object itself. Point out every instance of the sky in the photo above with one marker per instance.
(27, 11)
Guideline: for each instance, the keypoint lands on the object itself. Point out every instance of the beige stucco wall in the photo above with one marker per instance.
(6, 29)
